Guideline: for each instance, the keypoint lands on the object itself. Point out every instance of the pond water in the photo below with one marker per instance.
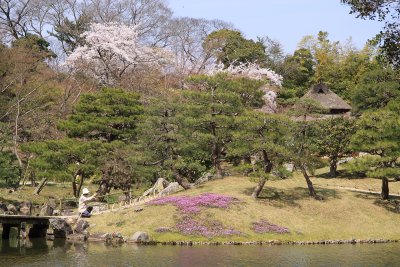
(61, 253)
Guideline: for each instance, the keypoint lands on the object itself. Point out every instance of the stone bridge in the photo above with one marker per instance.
(40, 224)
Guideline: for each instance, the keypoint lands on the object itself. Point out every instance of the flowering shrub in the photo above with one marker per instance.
(263, 226)
(191, 205)
(210, 228)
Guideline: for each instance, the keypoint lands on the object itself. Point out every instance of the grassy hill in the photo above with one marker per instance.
(342, 214)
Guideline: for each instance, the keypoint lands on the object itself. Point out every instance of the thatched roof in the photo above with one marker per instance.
(328, 99)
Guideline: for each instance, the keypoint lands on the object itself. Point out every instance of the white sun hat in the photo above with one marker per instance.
(85, 191)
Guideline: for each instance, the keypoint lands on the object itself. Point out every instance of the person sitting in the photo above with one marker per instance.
(84, 210)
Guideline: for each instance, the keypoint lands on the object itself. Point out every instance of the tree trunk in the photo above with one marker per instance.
(333, 168)
(257, 190)
(16, 136)
(32, 177)
(181, 180)
(216, 161)
(104, 188)
(309, 183)
(267, 169)
(385, 189)
(40, 186)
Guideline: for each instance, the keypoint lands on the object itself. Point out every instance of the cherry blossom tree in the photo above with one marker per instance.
(248, 70)
(112, 50)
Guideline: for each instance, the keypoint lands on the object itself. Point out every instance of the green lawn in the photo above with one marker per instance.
(342, 214)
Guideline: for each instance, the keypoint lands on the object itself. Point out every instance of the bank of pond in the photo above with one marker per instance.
(60, 252)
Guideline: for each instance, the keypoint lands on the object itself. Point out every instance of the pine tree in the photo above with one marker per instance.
(333, 139)
(378, 134)
(208, 111)
(262, 141)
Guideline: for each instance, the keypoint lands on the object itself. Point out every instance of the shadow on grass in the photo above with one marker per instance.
(392, 205)
(279, 197)
(341, 174)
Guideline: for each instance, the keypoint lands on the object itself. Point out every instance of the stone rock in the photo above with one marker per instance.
(67, 212)
(60, 227)
(170, 189)
(46, 210)
(3, 206)
(105, 237)
(123, 199)
(25, 208)
(139, 237)
(98, 207)
(205, 178)
(117, 238)
(57, 213)
(159, 186)
(77, 237)
(2, 212)
(81, 226)
(289, 167)
(11, 209)
(71, 220)
(138, 209)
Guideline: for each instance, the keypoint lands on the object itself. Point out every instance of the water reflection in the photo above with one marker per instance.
(40, 252)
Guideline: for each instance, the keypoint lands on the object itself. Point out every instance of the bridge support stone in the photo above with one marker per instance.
(38, 230)
(6, 231)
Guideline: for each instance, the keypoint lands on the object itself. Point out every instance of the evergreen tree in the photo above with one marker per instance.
(208, 111)
(304, 147)
(333, 139)
(66, 160)
(262, 141)
(376, 88)
(9, 169)
(378, 134)
(165, 150)
(108, 115)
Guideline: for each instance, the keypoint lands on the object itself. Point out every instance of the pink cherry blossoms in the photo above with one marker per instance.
(112, 49)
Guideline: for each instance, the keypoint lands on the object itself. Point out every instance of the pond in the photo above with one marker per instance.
(40, 252)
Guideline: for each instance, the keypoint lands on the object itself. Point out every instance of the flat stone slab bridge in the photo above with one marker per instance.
(40, 224)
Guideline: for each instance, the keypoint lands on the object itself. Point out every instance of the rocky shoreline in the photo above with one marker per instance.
(143, 239)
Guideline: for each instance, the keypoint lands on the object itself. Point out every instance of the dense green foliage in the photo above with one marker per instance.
(389, 12)
(109, 115)
(378, 134)
(9, 169)
(333, 140)
(260, 146)
(231, 47)
(176, 120)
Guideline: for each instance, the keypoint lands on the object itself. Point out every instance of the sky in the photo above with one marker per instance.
(284, 20)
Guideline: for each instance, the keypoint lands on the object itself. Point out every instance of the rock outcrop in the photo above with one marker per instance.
(139, 237)
(11, 209)
(170, 189)
(81, 227)
(25, 208)
(60, 227)
(159, 186)
(46, 210)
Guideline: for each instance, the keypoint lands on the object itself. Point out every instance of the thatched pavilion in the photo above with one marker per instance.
(328, 99)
